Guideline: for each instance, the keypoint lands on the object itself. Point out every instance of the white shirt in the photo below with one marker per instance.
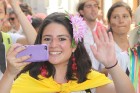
(88, 40)
(20, 31)
(15, 37)
(122, 57)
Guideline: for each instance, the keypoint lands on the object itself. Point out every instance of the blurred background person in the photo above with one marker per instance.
(13, 19)
(119, 20)
(100, 18)
(89, 9)
(36, 22)
(134, 52)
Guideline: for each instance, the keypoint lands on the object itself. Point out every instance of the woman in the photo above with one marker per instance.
(30, 33)
(69, 67)
(119, 19)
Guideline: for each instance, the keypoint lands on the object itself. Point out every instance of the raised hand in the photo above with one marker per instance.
(14, 65)
(12, 1)
(105, 50)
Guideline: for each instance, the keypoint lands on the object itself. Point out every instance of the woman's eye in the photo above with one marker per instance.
(115, 17)
(62, 39)
(125, 16)
(47, 39)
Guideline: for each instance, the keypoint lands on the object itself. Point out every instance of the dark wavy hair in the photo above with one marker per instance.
(82, 58)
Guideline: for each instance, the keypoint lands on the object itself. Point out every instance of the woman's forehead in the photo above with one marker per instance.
(55, 29)
(120, 10)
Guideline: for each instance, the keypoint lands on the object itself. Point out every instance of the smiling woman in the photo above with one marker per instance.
(68, 69)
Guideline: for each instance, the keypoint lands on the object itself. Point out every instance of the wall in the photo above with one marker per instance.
(48, 6)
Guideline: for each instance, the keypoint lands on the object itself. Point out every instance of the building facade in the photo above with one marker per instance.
(48, 6)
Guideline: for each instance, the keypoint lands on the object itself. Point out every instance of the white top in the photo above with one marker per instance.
(88, 40)
(123, 59)
(20, 31)
(15, 37)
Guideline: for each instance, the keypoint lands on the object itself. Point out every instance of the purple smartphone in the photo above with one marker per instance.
(38, 53)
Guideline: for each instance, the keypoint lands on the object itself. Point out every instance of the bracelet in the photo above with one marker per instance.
(112, 66)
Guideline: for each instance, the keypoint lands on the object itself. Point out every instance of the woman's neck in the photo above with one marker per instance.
(121, 41)
(60, 74)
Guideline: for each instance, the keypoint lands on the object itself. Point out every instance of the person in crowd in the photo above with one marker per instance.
(16, 27)
(6, 26)
(88, 9)
(36, 22)
(6, 39)
(40, 15)
(100, 17)
(28, 29)
(134, 52)
(68, 69)
(119, 21)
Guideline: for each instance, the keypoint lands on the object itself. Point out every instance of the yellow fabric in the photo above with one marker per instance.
(6, 40)
(27, 84)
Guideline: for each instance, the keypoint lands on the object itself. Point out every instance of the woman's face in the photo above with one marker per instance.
(59, 40)
(120, 21)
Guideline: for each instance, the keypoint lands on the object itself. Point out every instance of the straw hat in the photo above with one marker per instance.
(133, 35)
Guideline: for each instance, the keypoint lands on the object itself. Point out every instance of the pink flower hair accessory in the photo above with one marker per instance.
(79, 28)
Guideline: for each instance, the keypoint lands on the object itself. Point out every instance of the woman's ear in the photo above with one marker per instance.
(73, 49)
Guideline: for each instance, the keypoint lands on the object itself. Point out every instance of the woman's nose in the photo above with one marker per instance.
(121, 20)
(54, 43)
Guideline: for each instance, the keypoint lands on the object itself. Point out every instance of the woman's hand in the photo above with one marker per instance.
(14, 65)
(105, 51)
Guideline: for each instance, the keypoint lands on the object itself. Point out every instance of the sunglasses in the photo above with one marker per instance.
(12, 19)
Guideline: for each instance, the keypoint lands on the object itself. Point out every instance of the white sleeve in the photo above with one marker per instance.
(15, 37)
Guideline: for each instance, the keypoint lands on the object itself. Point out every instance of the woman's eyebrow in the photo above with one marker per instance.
(64, 36)
(57, 36)
(47, 36)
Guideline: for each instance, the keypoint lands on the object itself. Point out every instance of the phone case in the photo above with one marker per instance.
(38, 53)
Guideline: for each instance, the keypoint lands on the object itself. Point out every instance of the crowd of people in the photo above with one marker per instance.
(85, 55)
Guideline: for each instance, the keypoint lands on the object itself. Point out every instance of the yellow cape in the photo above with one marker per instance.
(27, 84)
